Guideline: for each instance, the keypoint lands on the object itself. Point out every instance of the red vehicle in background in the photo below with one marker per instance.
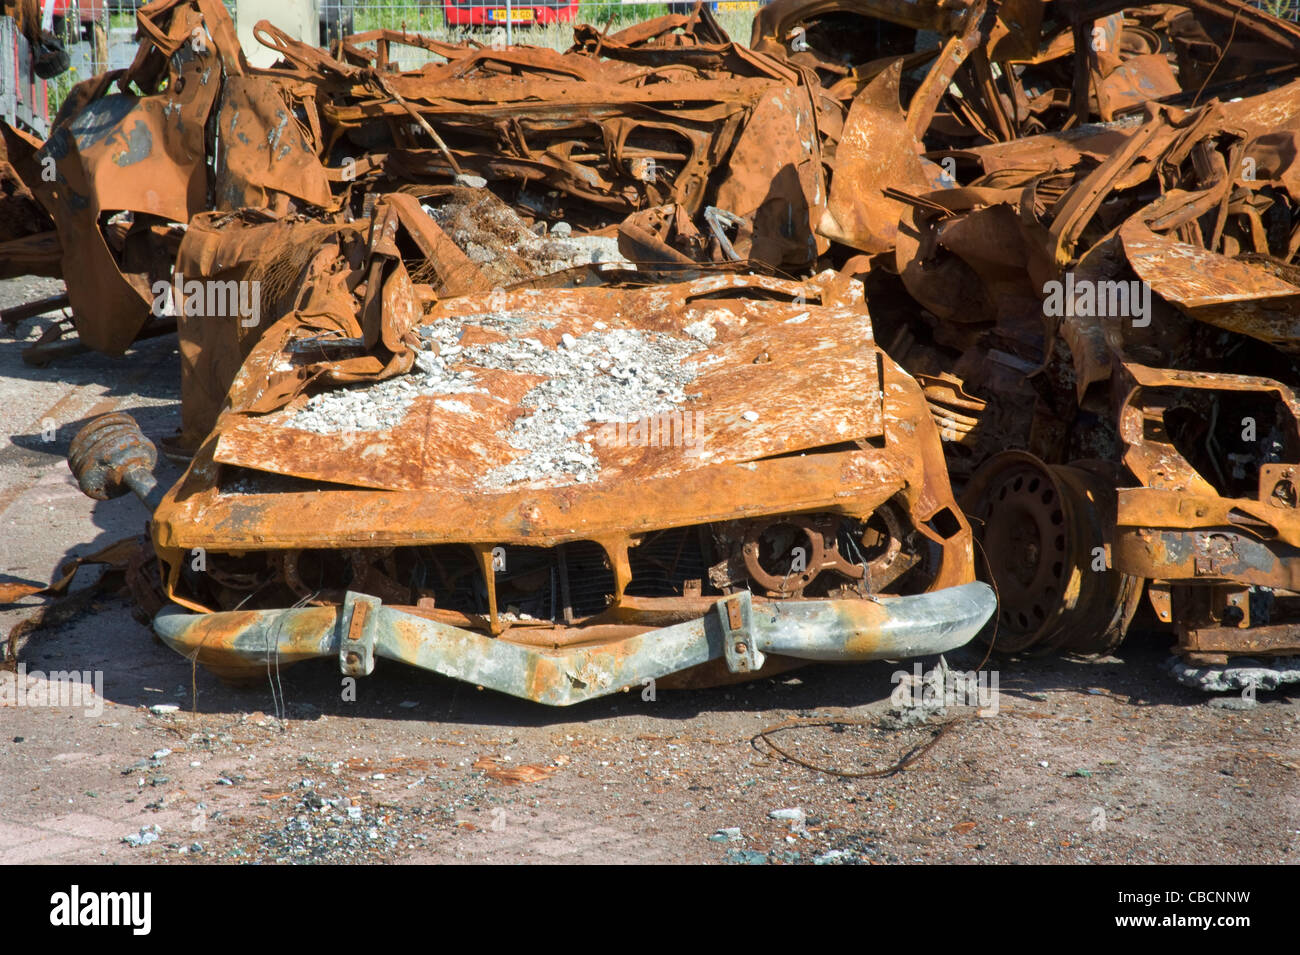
(487, 13)
(82, 12)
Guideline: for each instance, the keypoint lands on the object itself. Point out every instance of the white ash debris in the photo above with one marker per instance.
(556, 254)
(446, 332)
(604, 376)
(1238, 674)
(702, 331)
(496, 239)
(514, 615)
(382, 405)
(599, 377)
(558, 459)
(547, 255)
(455, 407)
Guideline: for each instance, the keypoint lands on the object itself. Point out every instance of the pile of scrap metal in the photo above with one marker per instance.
(1116, 225)
(658, 359)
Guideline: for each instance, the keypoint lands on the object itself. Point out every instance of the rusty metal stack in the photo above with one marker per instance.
(668, 357)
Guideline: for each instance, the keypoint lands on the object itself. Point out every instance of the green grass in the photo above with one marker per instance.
(1286, 9)
(57, 89)
(423, 18)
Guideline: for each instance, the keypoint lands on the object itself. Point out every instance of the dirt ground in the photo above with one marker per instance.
(1084, 760)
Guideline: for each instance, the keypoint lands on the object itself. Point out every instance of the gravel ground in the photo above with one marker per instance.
(1084, 761)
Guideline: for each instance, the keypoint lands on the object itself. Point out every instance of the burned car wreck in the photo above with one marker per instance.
(712, 522)
(672, 358)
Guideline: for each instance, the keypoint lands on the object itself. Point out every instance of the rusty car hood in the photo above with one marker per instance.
(765, 378)
(823, 420)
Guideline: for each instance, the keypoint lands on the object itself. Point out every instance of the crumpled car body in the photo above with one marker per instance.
(1099, 285)
(789, 504)
(1215, 531)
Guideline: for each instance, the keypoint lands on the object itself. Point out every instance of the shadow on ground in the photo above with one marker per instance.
(141, 671)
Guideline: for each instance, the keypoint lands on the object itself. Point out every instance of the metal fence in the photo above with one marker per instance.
(100, 34)
(23, 100)
(547, 23)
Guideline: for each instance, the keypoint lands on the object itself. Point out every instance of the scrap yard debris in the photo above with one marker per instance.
(668, 358)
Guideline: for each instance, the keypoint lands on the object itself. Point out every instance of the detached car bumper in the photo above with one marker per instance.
(736, 630)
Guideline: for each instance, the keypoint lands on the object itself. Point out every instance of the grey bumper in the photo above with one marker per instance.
(735, 629)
